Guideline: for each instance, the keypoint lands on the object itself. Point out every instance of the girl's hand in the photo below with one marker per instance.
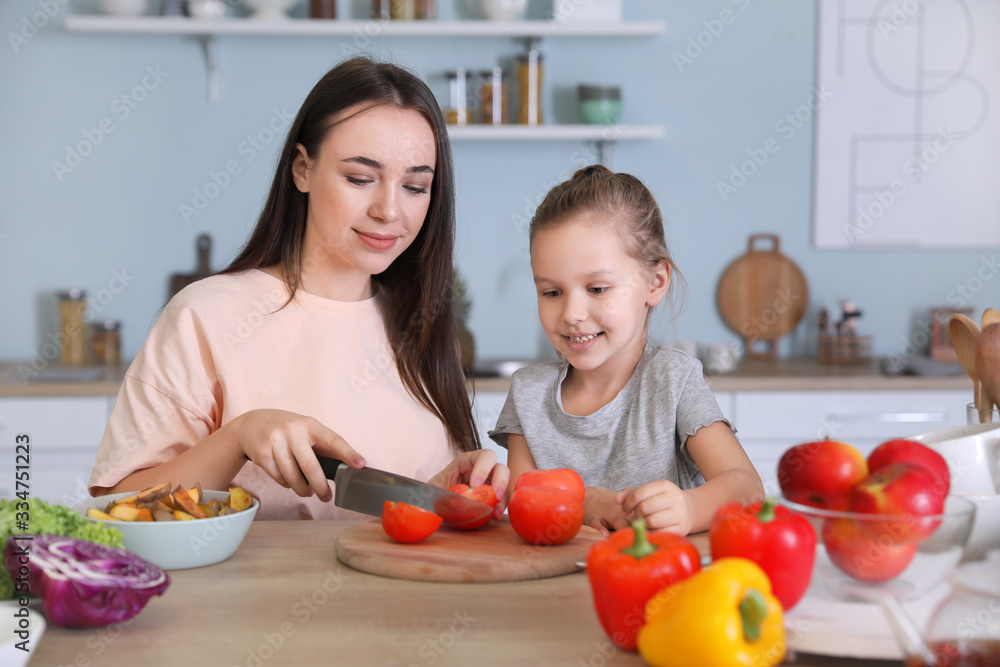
(475, 469)
(601, 510)
(663, 504)
(283, 443)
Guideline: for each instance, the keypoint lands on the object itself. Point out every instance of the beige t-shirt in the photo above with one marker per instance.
(221, 348)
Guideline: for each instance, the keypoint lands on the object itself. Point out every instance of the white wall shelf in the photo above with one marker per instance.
(208, 30)
(371, 28)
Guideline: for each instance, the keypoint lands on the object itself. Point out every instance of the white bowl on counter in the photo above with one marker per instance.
(177, 545)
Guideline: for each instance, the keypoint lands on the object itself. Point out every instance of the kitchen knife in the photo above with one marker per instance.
(367, 489)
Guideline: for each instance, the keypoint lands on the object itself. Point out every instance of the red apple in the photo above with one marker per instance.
(911, 451)
(858, 553)
(821, 474)
(907, 492)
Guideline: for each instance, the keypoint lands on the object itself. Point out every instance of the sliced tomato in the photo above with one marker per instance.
(545, 515)
(485, 494)
(559, 478)
(408, 523)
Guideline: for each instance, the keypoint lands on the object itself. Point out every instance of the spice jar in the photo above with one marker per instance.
(323, 9)
(106, 341)
(529, 88)
(426, 9)
(458, 109)
(493, 97)
(395, 9)
(72, 329)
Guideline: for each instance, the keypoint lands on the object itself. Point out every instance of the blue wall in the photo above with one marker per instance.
(112, 225)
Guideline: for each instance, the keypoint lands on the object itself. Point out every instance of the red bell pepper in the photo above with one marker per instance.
(629, 568)
(782, 543)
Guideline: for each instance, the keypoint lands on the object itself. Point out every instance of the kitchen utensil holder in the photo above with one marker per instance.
(848, 349)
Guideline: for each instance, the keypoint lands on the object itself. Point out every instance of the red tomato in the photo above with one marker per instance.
(545, 515)
(485, 494)
(560, 478)
(408, 523)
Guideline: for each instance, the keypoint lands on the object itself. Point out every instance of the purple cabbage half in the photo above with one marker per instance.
(83, 584)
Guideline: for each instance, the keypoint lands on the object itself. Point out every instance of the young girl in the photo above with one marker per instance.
(332, 331)
(637, 422)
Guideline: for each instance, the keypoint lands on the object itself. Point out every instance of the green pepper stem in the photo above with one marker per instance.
(641, 547)
(766, 512)
(753, 611)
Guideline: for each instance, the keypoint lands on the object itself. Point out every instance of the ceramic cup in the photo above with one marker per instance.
(722, 358)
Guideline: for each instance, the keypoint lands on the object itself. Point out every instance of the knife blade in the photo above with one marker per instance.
(365, 490)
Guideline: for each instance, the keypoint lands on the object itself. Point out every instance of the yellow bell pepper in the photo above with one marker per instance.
(723, 616)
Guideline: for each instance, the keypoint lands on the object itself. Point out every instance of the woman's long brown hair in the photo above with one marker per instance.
(416, 291)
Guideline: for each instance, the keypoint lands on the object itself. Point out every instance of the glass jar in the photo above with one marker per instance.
(426, 9)
(458, 109)
(395, 9)
(72, 328)
(323, 9)
(106, 341)
(964, 630)
(493, 97)
(529, 88)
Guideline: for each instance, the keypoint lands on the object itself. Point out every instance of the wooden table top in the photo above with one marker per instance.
(284, 599)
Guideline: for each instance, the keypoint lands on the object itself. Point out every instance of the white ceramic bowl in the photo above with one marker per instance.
(10, 655)
(502, 10)
(270, 10)
(176, 545)
(123, 7)
(973, 456)
(986, 527)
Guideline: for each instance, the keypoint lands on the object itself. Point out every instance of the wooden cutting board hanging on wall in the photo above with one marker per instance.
(203, 268)
(762, 295)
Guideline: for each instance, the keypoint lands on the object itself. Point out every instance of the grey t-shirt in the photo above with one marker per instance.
(638, 437)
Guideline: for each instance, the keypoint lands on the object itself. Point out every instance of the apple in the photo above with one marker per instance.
(821, 474)
(859, 554)
(911, 451)
(906, 491)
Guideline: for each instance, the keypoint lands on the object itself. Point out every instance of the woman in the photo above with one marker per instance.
(331, 332)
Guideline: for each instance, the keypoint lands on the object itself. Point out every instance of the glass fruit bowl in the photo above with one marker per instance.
(867, 556)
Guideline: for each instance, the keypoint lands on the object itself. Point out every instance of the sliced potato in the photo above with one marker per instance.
(206, 510)
(124, 512)
(153, 493)
(187, 503)
(164, 516)
(239, 499)
(94, 513)
(143, 515)
(181, 515)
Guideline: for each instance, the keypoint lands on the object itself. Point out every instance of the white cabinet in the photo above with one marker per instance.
(64, 434)
(769, 422)
(486, 407)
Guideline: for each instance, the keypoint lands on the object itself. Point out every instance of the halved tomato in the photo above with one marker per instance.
(408, 523)
(485, 494)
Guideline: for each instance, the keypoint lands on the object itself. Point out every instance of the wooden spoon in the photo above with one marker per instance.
(988, 368)
(990, 316)
(964, 334)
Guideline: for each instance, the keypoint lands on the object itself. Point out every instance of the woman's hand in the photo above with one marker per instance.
(663, 504)
(476, 468)
(601, 510)
(285, 444)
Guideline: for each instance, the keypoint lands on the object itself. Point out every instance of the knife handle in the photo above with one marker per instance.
(329, 466)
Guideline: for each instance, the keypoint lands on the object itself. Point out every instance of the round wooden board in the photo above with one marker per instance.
(491, 553)
(762, 295)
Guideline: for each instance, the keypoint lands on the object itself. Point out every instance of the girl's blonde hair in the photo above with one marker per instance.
(621, 200)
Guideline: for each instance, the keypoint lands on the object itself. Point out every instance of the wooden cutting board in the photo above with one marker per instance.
(489, 554)
(762, 296)
(203, 269)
